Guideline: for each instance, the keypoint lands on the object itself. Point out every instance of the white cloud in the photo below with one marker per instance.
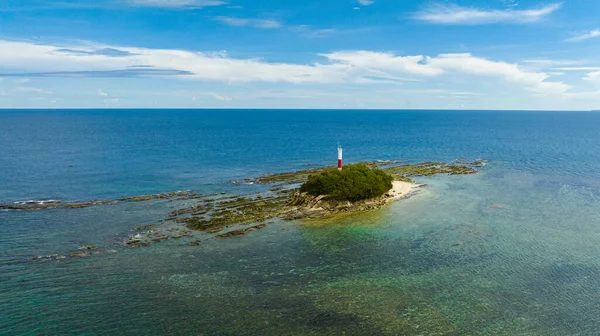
(589, 68)
(552, 63)
(583, 95)
(468, 64)
(357, 67)
(454, 14)
(256, 23)
(365, 2)
(220, 97)
(593, 77)
(33, 90)
(310, 32)
(377, 63)
(176, 3)
(589, 35)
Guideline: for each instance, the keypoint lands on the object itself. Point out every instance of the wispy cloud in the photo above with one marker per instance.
(589, 35)
(552, 63)
(365, 2)
(102, 52)
(310, 32)
(468, 64)
(245, 22)
(585, 68)
(176, 3)
(358, 66)
(454, 14)
(128, 72)
(593, 77)
(29, 90)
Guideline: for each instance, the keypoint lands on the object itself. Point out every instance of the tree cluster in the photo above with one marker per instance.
(354, 183)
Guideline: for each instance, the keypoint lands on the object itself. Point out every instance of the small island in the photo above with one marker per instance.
(305, 194)
(357, 187)
(312, 194)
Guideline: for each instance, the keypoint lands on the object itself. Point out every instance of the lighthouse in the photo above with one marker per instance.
(340, 150)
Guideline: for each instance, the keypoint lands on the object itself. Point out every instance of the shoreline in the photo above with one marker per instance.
(402, 190)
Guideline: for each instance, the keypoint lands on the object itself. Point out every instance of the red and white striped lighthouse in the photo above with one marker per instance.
(340, 150)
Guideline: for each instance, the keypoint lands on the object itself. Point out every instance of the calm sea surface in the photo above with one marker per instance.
(514, 250)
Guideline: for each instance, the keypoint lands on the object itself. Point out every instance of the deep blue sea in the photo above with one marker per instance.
(513, 250)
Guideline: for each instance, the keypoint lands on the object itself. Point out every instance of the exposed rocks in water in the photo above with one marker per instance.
(196, 242)
(146, 238)
(56, 204)
(80, 254)
(145, 227)
(308, 206)
(48, 257)
(85, 251)
(215, 229)
(32, 202)
(238, 211)
(242, 232)
(138, 243)
(405, 172)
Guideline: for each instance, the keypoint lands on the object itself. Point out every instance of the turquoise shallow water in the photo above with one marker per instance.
(510, 251)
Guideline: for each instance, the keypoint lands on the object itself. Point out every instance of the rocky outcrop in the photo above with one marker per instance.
(304, 205)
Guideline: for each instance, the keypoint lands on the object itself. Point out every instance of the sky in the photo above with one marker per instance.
(367, 54)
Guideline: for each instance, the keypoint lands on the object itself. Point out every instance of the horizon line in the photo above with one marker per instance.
(284, 109)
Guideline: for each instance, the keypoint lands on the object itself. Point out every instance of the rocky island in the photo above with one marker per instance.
(312, 193)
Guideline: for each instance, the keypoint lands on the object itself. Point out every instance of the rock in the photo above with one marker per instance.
(145, 227)
(242, 232)
(80, 254)
(87, 247)
(215, 229)
(139, 244)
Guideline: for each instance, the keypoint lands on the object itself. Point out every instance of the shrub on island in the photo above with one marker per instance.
(354, 183)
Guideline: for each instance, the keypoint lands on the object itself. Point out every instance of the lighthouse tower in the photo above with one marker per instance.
(340, 150)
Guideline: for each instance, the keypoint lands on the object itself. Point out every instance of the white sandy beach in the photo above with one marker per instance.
(402, 189)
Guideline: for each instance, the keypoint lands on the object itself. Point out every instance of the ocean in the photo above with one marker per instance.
(512, 250)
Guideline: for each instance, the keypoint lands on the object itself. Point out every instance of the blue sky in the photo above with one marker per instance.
(461, 54)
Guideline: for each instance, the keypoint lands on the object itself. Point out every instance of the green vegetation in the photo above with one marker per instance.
(354, 183)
